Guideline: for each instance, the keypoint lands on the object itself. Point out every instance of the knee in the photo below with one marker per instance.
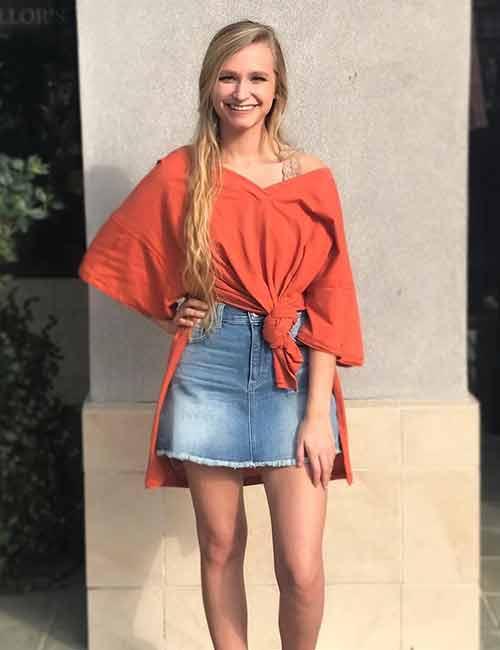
(218, 547)
(300, 574)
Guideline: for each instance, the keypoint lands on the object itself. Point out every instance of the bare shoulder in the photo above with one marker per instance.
(308, 162)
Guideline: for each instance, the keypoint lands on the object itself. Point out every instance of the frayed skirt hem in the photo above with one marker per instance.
(229, 463)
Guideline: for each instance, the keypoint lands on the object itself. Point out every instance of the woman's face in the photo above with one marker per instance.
(246, 80)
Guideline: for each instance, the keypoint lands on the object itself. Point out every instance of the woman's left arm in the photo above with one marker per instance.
(315, 432)
(332, 331)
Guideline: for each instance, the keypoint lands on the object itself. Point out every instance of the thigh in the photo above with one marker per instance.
(217, 496)
(298, 511)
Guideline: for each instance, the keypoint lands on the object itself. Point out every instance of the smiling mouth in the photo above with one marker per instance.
(242, 108)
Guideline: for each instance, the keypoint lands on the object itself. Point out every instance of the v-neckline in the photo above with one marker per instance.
(268, 188)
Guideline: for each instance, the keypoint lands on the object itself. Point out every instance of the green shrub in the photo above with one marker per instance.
(23, 199)
(38, 456)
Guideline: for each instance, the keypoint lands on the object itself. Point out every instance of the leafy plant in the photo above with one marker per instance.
(22, 199)
(38, 433)
(37, 453)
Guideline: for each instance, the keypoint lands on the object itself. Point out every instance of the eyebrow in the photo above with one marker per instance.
(226, 71)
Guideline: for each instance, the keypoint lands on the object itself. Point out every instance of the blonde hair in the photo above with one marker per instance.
(206, 169)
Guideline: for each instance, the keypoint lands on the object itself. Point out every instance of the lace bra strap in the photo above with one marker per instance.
(290, 167)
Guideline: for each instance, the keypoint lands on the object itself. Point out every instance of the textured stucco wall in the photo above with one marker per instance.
(379, 91)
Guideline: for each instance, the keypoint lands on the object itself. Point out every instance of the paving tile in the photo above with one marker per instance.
(69, 629)
(25, 619)
(491, 604)
(490, 513)
(490, 541)
(490, 575)
(490, 640)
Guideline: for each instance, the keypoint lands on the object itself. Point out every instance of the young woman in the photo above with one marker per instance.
(235, 246)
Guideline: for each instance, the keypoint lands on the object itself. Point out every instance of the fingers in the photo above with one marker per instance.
(315, 469)
(196, 303)
(191, 312)
(326, 462)
(190, 316)
(321, 465)
(300, 454)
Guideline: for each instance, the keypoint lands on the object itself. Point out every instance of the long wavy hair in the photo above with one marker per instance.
(205, 176)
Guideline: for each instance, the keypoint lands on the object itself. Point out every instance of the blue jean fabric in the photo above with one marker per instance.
(222, 406)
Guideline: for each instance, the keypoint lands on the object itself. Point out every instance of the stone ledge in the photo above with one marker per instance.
(383, 434)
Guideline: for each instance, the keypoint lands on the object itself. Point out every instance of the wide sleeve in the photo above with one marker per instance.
(132, 259)
(333, 323)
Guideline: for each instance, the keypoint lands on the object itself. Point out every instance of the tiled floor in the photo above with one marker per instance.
(56, 620)
(52, 620)
(490, 543)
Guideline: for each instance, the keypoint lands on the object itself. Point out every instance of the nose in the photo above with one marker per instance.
(240, 91)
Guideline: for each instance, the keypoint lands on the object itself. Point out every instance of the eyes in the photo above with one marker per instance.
(230, 76)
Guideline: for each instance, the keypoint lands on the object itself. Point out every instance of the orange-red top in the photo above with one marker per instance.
(276, 249)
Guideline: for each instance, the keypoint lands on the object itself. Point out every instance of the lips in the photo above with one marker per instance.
(241, 108)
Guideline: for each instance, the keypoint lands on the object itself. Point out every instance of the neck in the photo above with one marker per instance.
(246, 148)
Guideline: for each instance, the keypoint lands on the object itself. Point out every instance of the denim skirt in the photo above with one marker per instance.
(222, 406)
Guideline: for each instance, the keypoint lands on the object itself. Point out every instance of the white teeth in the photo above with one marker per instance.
(240, 108)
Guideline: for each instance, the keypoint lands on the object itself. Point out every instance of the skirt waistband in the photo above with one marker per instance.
(230, 313)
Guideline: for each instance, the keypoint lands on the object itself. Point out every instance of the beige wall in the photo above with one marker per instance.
(401, 545)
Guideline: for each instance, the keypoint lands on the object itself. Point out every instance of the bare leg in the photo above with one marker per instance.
(221, 526)
(297, 516)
